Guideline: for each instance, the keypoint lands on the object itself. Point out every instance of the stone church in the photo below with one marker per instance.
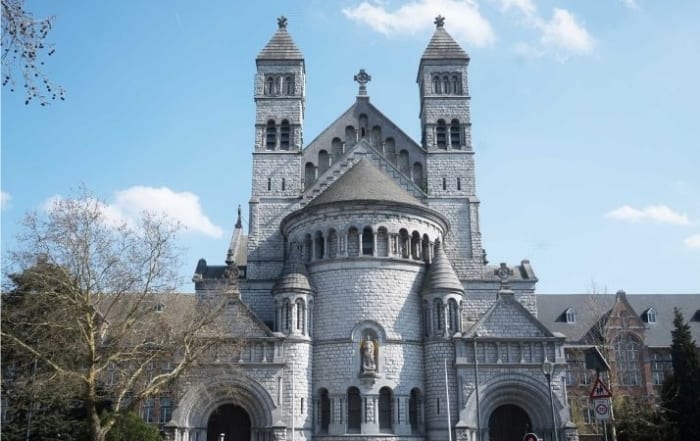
(369, 306)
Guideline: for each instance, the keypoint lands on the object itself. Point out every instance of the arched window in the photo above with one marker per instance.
(651, 315)
(308, 243)
(446, 84)
(385, 411)
(309, 174)
(284, 135)
(404, 243)
(350, 136)
(444, 183)
(319, 250)
(456, 85)
(455, 138)
(418, 173)
(415, 245)
(271, 135)
(325, 410)
(286, 316)
(439, 314)
(453, 312)
(414, 403)
(301, 316)
(324, 161)
(441, 134)
(363, 126)
(337, 148)
(353, 242)
(332, 244)
(354, 410)
(376, 137)
(459, 183)
(628, 361)
(436, 84)
(404, 163)
(426, 248)
(390, 150)
(367, 241)
(289, 85)
(269, 86)
(382, 242)
(570, 315)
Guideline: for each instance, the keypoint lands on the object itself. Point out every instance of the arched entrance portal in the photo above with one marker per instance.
(508, 423)
(232, 421)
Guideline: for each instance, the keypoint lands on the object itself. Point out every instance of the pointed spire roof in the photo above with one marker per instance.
(294, 277)
(365, 182)
(281, 46)
(441, 276)
(442, 46)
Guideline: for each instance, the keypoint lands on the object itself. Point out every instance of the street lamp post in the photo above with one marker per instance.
(547, 370)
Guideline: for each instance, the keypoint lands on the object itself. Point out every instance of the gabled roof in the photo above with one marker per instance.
(365, 182)
(281, 46)
(442, 46)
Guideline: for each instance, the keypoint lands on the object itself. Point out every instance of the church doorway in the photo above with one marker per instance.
(230, 420)
(508, 423)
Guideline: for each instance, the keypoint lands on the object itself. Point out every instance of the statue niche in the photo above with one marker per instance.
(369, 351)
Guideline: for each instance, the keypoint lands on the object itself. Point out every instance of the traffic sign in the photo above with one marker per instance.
(601, 409)
(600, 390)
(530, 437)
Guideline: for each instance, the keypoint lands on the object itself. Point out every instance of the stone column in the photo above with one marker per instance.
(374, 244)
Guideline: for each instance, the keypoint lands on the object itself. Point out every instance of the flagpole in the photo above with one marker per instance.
(447, 398)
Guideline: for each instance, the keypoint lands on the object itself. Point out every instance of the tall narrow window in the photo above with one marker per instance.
(444, 183)
(269, 184)
(364, 126)
(269, 86)
(287, 316)
(436, 84)
(309, 174)
(446, 84)
(456, 85)
(354, 410)
(166, 410)
(148, 410)
(441, 134)
(289, 85)
(324, 162)
(453, 311)
(367, 242)
(301, 316)
(459, 183)
(385, 410)
(284, 135)
(353, 242)
(336, 148)
(325, 404)
(404, 162)
(455, 139)
(271, 135)
(627, 357)
(439, 315)
(390, 150)
(418, 174)
(414, 410)
(350, 136)
(284, 184)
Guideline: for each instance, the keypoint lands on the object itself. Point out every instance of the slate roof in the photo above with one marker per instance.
(294, 277)
(365, 182)
(281, 47)
(589, 308)
(441, 275)
(443, 46)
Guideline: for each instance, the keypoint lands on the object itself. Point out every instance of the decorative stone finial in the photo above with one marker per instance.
(239, 223)
(504, 273)
(439, 21)
(362, 79)
(282, 22)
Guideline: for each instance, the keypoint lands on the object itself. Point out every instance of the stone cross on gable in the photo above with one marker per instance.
(282, 22)
(362, 79)
(439, 21)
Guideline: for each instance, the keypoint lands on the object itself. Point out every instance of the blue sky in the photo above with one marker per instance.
(585, 120)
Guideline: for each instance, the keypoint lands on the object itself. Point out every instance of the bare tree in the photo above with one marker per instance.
(101, 317)
(24, 48)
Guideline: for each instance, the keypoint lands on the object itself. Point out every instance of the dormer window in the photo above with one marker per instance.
(570, 316)
(650, 315)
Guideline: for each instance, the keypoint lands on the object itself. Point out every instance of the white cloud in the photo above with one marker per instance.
(692, 241)
(656, 213)
(5, 199)
(526, 7)
(129, 204)
(632, 4)
(564, 32)
(463, 19)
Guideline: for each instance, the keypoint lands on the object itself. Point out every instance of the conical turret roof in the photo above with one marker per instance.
(281, 46)
(442, 45)
(441, 275)
(294, 277)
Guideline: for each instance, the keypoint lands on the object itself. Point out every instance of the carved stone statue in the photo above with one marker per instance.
(369, 362)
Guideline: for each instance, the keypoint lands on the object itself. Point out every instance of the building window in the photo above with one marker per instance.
(354, 410)
(627, 356)
(284, 184)
(436, 84)
(271, 135)
(385, 410)
(301, 316)
(455, 138)
(367, 242)
(651, 315)
(325, 404)
(570, 316)
(289, 85)
(111, 374)
(444, 183)
(286, 316)
(459, 183)
(446, 84)
(309, 174)
(439, 314)
(661, 366)
(284, 135)
(456, 85)
(414, 410)
(147, 414)
(453, 311)
(270, 86)
(441, 134)
(166, 410)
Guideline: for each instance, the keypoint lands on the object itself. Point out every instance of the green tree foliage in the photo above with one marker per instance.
(681, 392)
(129, 427)
(637, 421)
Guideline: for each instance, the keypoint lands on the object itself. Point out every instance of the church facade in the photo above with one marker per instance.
(366, 299)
